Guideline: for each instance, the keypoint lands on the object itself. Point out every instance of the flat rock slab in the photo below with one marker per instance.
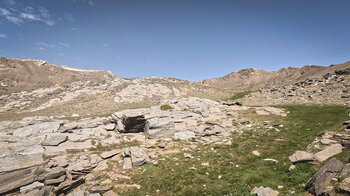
(317, 184)
(55, 139)
(301, 156)
(329, 152)
(15, 179)
(184, 135)
(261, 191)
(34, 185)
(109, 154)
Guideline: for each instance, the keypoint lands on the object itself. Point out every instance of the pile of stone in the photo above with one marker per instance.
(334, 173)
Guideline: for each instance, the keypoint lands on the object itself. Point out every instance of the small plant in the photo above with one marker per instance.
(40, 171)
(238, 96)
(165, 107)
(302, 173)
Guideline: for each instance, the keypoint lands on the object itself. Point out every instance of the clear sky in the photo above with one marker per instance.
(187, 39)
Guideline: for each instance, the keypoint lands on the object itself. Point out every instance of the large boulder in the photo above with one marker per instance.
(318, 182)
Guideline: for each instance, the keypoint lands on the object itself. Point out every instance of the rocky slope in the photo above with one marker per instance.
(332, 88)
(255, 79)
(32, 87)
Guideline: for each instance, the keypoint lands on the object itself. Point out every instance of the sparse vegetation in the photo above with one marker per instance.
(238, 95)
(165, 107)
(40, 171)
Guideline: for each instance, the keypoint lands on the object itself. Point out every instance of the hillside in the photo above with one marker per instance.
(255, 79)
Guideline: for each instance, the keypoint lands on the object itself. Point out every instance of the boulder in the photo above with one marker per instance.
(55, 139)
(138, 156)
(127, 164)
(261, 191)
(301, 156)
(184, 135)
(109, 154)
(328, 152)
(110, 126)
(318, 182)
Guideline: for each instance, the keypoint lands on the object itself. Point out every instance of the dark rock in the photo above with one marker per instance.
(346, 143)
(317, 184)
(345, 173)
(134, 124)
(342, 72)
(98, 189)
(64, 187)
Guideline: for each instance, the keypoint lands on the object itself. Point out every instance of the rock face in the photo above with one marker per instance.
(317, 184)
(301, 156)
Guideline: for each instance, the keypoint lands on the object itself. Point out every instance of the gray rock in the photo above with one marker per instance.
(345, 173)
(127, 164)
(110, 127)
(109, 154)
(328, 152)
(317, 184)
(53, 173)
(67, 185)
(28, 188)
(138, 156)
(261, 191)
(184, 135)
(301, 156)
(55, 139)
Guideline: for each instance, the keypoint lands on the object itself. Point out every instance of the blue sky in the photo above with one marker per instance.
(187, 39)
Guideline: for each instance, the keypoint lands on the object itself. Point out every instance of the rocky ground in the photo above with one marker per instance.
(333, 88)
(94, 133)
(42, 155)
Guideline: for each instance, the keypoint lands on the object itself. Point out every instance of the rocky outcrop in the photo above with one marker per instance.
(317, 184)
